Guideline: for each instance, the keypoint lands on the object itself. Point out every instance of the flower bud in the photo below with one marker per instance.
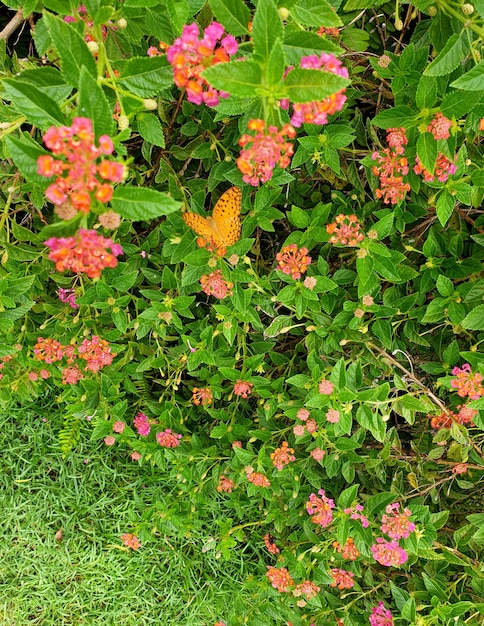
(150, 104)
(93, 47)
(467, 9)
(122, 23)
(123, 122)
(283, 13)
(398, 24)
(432, 10)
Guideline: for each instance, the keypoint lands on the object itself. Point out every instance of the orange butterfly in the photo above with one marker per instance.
(222, 229)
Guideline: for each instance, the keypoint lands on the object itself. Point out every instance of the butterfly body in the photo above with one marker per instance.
(222, 228)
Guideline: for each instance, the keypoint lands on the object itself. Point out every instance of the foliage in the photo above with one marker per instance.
(305, 361)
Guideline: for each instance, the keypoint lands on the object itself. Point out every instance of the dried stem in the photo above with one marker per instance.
(12, 26)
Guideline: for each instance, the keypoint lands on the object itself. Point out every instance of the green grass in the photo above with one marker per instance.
(88, 577)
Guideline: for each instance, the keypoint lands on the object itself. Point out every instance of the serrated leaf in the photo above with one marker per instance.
(24, 152)
(475, 319)
(473, 80)
(459, 103)
(72, 49)
(92, 103)
(146, 76)
(141, 204)
(39, 109)
(454, 52)
(266, 29)
(316, 13)
(49, 80)
(233, 14)
(307, 85)
(426, 92)
(444, 207)
(275, 64)
(427, 151)
(394, 118)
(149, 127)
(239, 78)
(178, 12)
(300, 44)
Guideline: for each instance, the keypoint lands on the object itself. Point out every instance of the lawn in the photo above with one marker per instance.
(87, 576)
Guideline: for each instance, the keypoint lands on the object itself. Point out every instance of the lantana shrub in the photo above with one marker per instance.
(307, 360)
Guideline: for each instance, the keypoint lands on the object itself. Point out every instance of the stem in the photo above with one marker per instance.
(12, 26)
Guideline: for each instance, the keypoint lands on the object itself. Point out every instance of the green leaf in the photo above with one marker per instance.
(347, 497)
(92, 103)
(275, 64)
(300, 44)
(72, 49)
(149, 127)
(146, 76)
(445, 286)
(266, 29)
(426, 92)
(304, 85)
(234, 15)
(240, 78)
(473, 80)
(396, 117)
(36, 105)
(459, 103)
(427, 151)
(409, 610)
(141, 204)
(316, 13)
(435, 311)
(49, 80)
(475, 319)
(24, 152)
(178, 12)
(125, 281)
(477, 178)
(372, 421)
(444, 207)
(455, 50)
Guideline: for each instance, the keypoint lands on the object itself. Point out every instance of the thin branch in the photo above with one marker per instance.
(12, 26)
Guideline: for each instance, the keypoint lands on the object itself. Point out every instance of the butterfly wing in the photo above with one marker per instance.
(203, 227)
(226, 216)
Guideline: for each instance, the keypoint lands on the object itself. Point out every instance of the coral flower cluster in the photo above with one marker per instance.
(397, 525)
(293, 261)
(95, 352)
(282, 456)
(444, 168)
(345, 231)
(214, 284)
(85, 252)
(467, 383)
(320, 509)
(190, 55)
(79, 178)
(391, 167)
(464, 416)
(440, 127)
(316, 112)
(380, 616)
(262, 149)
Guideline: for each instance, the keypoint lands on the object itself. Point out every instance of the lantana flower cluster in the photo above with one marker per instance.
(189, 56)
(214, 284)
(440, 126)
(94, 352)
(320, 509)
(165, 438)
(391, 167)
(464, 416)
(467, 383)
(345, 231)
(293, 261)
(316, 112)
(86, 252)
(397, 525)
(265, 147)
(444, 168)
(282, 456)
(380, 616)
(78, 177)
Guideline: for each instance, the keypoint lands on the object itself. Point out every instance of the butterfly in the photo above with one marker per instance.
(222, 228)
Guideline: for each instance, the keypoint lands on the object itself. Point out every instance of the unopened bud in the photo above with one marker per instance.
(398, 24)
(150, 104)
(467, 9)
(432, 10)
(93, 47)
(123, 122)
(283, 13)
(122, 23)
